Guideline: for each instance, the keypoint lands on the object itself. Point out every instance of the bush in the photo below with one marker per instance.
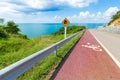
(21, 36)
(70, 29)
(12, 27)
(11, 30)
(3, 34)
(114, 17)
(1, 20)
(11, 45)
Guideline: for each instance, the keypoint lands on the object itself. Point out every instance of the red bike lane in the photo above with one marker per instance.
(88, 61)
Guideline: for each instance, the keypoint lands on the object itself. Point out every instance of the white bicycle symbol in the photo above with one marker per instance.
(94, 47)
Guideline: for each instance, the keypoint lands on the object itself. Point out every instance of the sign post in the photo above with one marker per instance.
(65, 28)
(65, 22)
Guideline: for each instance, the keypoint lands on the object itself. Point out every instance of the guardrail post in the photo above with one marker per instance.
(16, 69)
(55, 51)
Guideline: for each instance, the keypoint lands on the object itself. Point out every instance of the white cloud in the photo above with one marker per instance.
(76, 3)
(92, 17)
(111, 11)
(81, 3)
(42, 4)
(38, 4)
(56, 17)
(9, 9)
(18, 9)
(4, 7)
(84, 14)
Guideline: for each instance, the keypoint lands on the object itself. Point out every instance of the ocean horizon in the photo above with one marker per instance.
(41, 29)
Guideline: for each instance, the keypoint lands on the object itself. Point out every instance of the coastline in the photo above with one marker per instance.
(42, 29)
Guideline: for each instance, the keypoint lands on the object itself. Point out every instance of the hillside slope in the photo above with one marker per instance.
(115, 23)
(115, 20)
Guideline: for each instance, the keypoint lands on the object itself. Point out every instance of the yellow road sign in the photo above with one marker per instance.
(65, 22)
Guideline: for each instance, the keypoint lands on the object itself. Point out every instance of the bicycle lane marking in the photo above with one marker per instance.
(84, 62)
(92, 46)
(110, 54)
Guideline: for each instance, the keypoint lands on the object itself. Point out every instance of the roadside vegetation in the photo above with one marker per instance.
(15, 46)
(114, 17)
(44, 69)
(70, 30)
(10, 30)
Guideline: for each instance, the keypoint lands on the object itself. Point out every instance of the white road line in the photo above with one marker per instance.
(110, 54)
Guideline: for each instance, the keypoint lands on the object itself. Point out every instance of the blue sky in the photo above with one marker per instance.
(54, 11)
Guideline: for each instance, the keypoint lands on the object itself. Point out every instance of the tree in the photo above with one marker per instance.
(3, 34)
(12, 27)
(116, 16)
(1, 20)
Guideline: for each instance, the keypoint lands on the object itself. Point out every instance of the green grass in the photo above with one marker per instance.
(41, 69)
(15, 49)
(70, 29)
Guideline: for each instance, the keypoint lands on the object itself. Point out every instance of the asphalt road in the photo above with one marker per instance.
(88, 61)
(110, 42)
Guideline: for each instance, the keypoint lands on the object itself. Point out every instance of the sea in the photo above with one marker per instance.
(41, 29)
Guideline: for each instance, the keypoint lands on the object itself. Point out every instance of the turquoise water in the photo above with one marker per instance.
(41, 29)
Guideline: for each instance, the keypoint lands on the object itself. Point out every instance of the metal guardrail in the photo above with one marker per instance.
(114, 29)
(16, 69)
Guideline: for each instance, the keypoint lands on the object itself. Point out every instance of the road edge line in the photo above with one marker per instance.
(109, 53)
